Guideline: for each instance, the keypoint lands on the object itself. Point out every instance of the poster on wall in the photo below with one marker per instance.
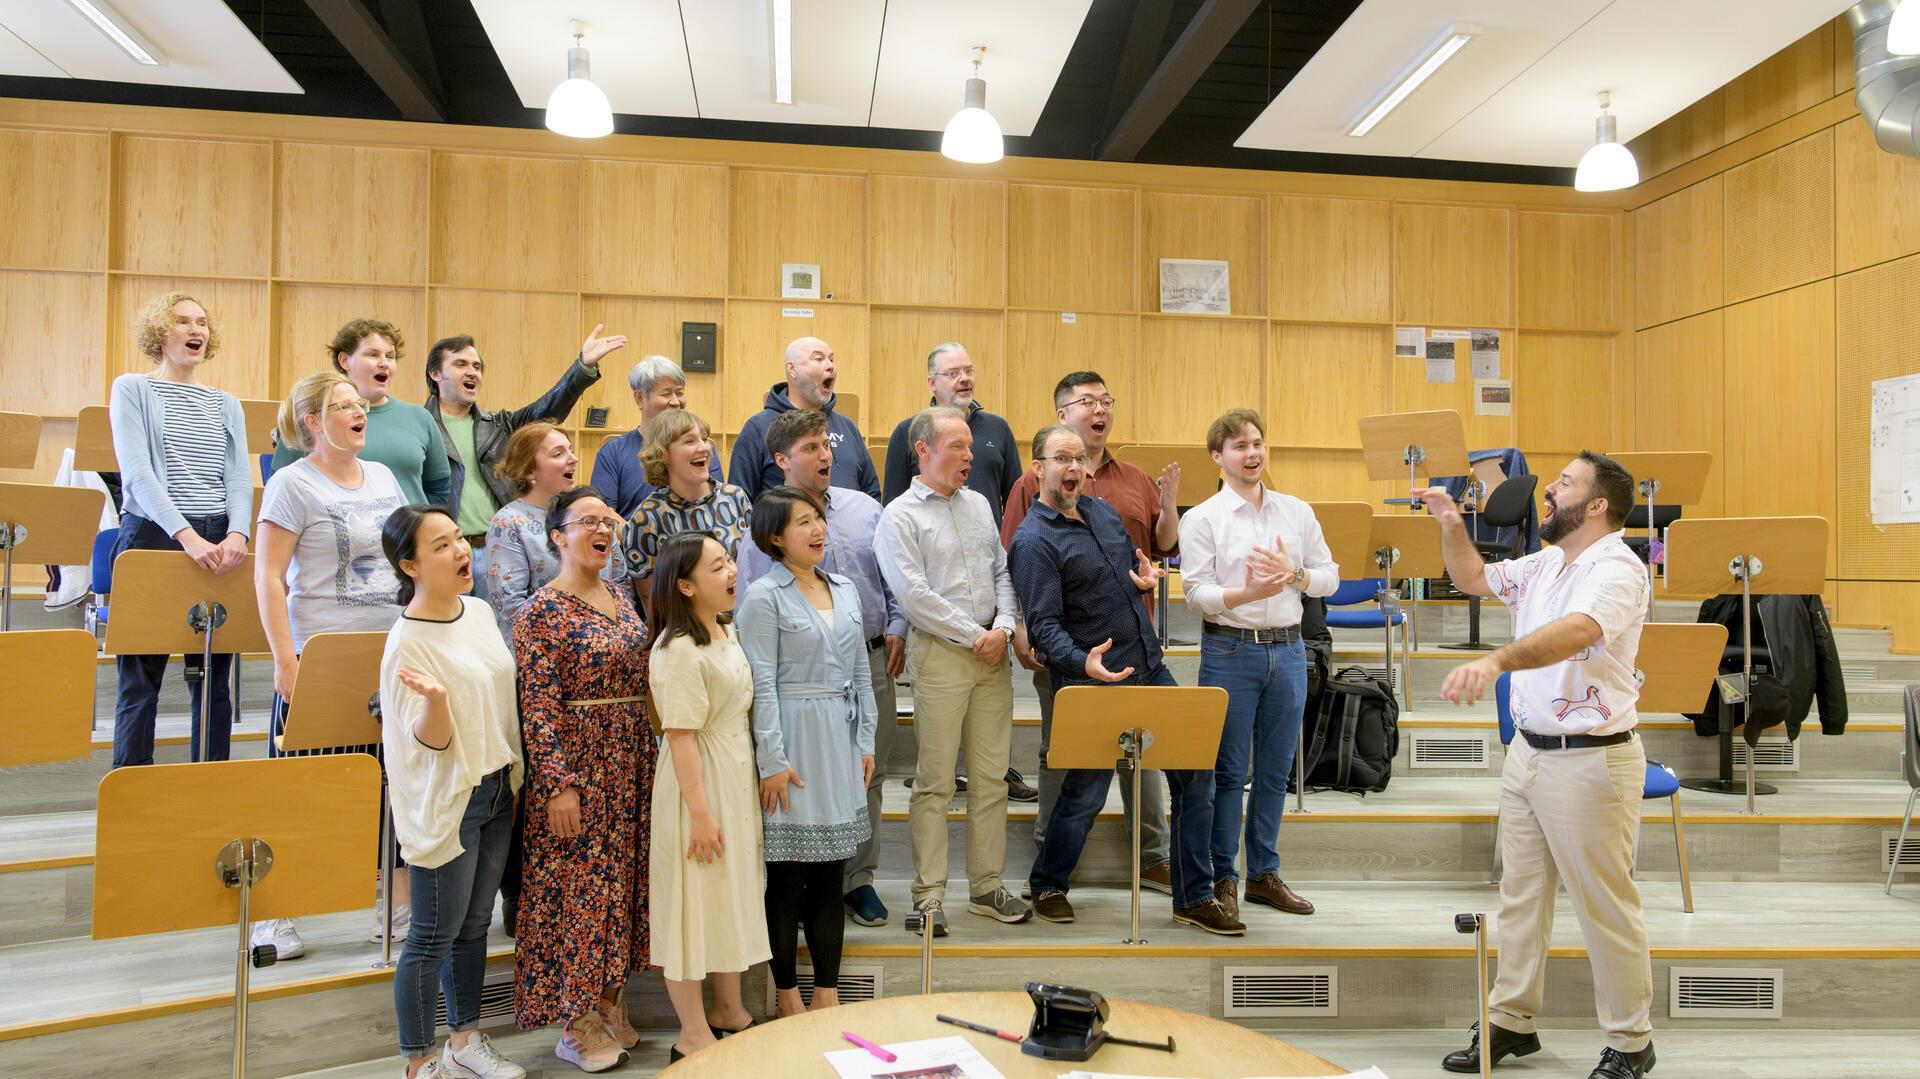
(1894, 433)
(1492, 397)
(1444, 348)
(1194, 287)
(1409, 342)
(1486, 354)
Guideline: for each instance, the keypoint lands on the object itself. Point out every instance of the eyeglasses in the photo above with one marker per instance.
(1063, 460)
(1089, 401)
(360, 406)
(956, 373)
(595, 524)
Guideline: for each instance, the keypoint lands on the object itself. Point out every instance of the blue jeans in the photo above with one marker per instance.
(1083, 792)
(137, 701)
(452, 907)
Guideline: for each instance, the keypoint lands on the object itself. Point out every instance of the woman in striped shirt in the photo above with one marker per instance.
(182, 448)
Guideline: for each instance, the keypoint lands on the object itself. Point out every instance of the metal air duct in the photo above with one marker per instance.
(1886, 87)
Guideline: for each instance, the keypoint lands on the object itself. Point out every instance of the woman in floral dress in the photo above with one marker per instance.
(580, 650)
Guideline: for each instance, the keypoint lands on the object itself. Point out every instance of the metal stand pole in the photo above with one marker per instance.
(1299, 769)
(1389, 600)
(201, 623)
(234, 719)
(1745, 568)
(1134, 743)
(1649, 488)
(12, 536)
(386, 876)
(241, 864)
(1163, 602)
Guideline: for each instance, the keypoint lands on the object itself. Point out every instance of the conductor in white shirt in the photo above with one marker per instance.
(1571, 789)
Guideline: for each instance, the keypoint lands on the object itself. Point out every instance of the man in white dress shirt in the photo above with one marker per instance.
(1247, 555)
(1571, 788)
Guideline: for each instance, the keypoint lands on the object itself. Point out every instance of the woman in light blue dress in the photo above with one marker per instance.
(813, 724)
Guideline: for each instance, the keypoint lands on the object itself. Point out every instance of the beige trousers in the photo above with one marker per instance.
(956, 699)
(1570, 816)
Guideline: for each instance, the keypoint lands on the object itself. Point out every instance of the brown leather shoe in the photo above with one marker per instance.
(1212, 917)
(1226, 891)
(1273, 892)
(1158, 876)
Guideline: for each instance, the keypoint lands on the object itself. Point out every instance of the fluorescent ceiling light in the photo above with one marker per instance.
(1438, 53)
(783, 52)
(128, 41)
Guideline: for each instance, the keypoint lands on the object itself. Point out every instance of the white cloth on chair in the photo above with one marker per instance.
(77, 581)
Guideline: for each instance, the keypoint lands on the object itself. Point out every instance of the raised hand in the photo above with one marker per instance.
(421, 684)
(1169, 484)
(1097, 670)
(595, 347)
(1439, 503)
(1148, 574)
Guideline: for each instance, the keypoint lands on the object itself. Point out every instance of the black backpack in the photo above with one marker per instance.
(1351, 737)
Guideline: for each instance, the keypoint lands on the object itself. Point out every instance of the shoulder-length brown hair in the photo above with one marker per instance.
(523, 452)
(672, 608)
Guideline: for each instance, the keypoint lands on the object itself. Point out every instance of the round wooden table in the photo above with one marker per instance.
(792, 1047)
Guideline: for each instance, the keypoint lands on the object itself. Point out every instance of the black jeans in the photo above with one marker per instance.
(138, 700)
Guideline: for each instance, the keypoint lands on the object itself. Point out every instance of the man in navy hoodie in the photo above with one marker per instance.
(809, 384)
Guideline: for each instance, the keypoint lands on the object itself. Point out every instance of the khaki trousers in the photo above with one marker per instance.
(1570, 816)
(958, 699)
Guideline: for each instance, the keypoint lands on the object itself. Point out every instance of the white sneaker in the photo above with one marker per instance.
(281, 934)
(478, 1059)
(430, 1070)
(402, 919)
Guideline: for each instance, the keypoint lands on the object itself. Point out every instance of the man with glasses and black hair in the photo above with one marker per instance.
(1570, 790)
(1148, 510)
(996, 453)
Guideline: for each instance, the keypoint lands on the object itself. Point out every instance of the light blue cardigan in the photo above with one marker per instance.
(137, 417)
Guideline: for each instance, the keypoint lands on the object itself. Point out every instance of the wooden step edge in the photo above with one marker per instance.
(207, 1001)
(1267, 951)
(1427, 722)
(1312, 816)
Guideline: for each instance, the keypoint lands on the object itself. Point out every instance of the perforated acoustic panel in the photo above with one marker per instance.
(1779, 225)
(1877, 330)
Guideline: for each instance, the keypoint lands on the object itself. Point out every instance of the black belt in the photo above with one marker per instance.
(1269, 635)
(478, 539)
(1575, 741)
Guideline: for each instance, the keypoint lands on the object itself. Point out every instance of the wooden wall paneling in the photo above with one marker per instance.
(815, 218)
(1678, 254)
(1678, 391)
(1409, 391)
(307, 316)
(654, 228)
(1564, 393)
(1041, 349)
(1876, 200)
(899, 341)
(1875, 338)
(1070, 247)
(1329, 476)
(239, 309)
(527, 339)
(1567, 270)
(1780, 407)
(938, 241)
(1452, 265)
(1779, 224)
(1328, 260)
(652, 326)
(1220, 227)
(1797, 77)
(53, 196)
(193, 206)
(506, 222)
(52, 360)
(351, 214)
(1192, 368)
(753, 344)
(1321, 380)
(1893, 605)
(1843, 73)
(1692, 132)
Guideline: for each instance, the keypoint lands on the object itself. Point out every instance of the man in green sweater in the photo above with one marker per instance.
(400, 435)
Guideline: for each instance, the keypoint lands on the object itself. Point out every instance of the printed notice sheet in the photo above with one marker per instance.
(934, 1058)
(1895, 441)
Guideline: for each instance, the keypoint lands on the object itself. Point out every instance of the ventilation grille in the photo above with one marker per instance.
(1860, 672)
(496, 1002)
(1448, 750)
(856, 984)
(1771, 755)
(1282, 991)
(1905, 855)
(1725, 993)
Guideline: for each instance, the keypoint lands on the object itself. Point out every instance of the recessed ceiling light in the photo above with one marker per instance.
(1443, 49)
(120, 35)
(782, 51)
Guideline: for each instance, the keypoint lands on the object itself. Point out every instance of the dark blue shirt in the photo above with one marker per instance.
(620, 479)
(1075, 591)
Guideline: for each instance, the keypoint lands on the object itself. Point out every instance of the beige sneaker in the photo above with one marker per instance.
(586, 1045)
(614, 1015)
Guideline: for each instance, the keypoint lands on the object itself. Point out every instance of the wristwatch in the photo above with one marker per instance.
(1300, 578)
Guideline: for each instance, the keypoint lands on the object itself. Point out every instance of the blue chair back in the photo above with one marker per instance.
(1358, 591)
(102, 561)
(1503, 703)
(266, 467)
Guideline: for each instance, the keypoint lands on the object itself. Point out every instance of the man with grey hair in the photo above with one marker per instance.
(658, 384)
(996, 453)
(811, 373)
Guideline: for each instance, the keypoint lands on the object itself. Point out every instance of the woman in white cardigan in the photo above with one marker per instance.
(186, 486)
(451, 736)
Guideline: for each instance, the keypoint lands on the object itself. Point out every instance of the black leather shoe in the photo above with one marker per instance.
(1505, 1044)
(1615, 1064)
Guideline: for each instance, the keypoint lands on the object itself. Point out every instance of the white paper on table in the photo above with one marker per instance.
(1409, 342)
(1894, 451)
(1486, 353)
(934, 1058)
(1370, 1073)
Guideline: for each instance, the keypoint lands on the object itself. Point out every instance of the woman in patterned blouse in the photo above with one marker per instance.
(539, 462)
(676, 454)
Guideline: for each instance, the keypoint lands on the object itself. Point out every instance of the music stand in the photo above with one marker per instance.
(48, 525)
(93, 441)
(19, 439)
(1412, 444)
(1675, 667)
(337, 704)
(59, 664)
(1196, 465)
(1411, 545)
(163, 827)
(1676, 477)
(1768, 556)
(161, 605)
(1159, 727)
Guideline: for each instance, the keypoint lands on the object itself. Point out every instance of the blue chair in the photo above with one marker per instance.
(1661, 782)
(1355, 593)
(266, 467)
(101, 571)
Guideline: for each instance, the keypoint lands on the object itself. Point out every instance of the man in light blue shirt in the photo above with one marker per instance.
(798, 443)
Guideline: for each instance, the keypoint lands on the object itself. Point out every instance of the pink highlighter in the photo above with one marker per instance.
(869, 1046)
